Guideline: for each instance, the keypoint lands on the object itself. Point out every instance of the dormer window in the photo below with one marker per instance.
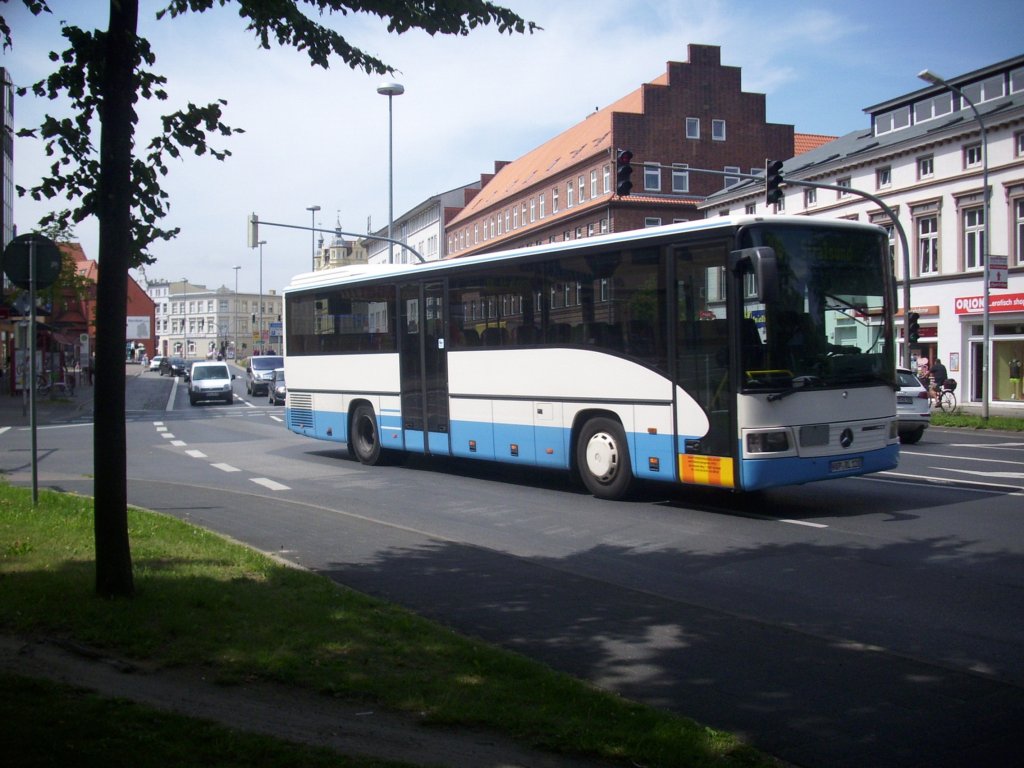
(892, 121)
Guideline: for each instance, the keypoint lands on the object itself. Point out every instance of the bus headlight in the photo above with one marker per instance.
(768, 442)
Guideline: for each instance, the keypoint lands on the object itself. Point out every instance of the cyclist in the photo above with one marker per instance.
(938, 376)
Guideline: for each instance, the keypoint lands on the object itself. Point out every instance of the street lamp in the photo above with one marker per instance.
(184, 323)
(390, 90)
(235, 332)
(261, 243)
(930, 77)
(312, 231)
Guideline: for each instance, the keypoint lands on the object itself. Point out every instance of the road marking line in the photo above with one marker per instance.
(161, 429)
(3, 429)
(158, 423)
(167, 435)
(196, 454)
(804, 522)
(226, 468)
(269, 484)
(178, 443)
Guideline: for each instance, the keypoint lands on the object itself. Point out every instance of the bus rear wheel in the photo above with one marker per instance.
(364, 437)
(602, 458)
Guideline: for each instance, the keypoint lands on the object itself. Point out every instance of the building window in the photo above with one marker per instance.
(569, 195)
(542, 214)
(983, 90)
(928, 245)
(972, 156)
(680, 178)
(652, 178)
(750, 209)
(652, 221)
(1018, 144)
(810, 197)
(718, 130)
(883, 177)
(533, 209)
(892, 121)
(844, 182)
(515, 217)
(582, 187)
(607, 171)
(593, 184)
(974, 238)
(1018, 231)
(925, 167)
(731, 180)
(554, 199)
(693, 127)
(936, 106)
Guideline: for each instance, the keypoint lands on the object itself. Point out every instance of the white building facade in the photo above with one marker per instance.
(196, 322)
(925, 156)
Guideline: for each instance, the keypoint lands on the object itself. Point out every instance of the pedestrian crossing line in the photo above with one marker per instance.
(196, 454)
(178, 443)
(226, 468)
(271, 485)
(167, 435)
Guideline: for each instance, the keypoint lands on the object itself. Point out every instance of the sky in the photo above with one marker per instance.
(320, 137)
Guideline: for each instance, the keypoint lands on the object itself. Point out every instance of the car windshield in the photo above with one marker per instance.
(828, 326)
(266, 363)
(210, 372)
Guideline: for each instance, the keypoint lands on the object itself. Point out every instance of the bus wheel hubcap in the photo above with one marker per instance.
(602, 456)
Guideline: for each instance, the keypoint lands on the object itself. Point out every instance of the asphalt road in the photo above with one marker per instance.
(860, 622)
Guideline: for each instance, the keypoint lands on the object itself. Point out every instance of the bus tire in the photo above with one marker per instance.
(602, 458)
(364, 436)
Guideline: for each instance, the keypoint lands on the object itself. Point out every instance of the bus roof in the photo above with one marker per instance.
(357, 272)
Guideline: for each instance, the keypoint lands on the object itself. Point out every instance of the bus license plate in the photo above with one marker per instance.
(845, 465)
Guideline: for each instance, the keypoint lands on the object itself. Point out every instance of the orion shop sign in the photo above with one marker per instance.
(973, 305)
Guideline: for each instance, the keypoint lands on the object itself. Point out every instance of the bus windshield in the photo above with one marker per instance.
(828, 324)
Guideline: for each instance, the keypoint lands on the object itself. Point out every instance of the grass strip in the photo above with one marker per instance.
(205, 601)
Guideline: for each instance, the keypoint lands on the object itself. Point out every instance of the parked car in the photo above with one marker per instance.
(154, 364)
(913, 407)
(173, 366)
(210, 381)
(260, 372)
(278, 389)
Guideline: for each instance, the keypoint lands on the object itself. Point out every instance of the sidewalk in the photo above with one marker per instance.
(14, 409)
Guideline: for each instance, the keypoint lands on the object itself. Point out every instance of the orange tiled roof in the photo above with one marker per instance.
(553, 157)
(805, 142)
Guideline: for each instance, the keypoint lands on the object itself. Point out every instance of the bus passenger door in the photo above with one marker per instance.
(423, 356)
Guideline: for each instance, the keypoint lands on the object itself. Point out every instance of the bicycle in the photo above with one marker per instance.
(945, 399)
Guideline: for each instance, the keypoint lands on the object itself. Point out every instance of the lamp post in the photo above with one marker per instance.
(235, 323)
(930, 77)
(390, 90)
(184, 322)
(261, 243)
(312, 231)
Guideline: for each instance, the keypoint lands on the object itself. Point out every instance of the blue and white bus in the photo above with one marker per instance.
(743, 353)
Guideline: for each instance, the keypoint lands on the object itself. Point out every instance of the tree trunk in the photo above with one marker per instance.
(113, 553)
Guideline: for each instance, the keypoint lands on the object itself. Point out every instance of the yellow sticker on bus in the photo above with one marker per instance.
(707, 470)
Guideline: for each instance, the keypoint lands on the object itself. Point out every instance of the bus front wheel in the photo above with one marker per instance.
(602, 458)
(364, 437)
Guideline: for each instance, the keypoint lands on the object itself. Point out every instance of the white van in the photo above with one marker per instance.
(210, 381)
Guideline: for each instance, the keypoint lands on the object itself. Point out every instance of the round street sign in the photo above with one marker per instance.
(17, 255)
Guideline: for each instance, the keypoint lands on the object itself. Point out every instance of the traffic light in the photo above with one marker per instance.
(772, 181)
(913, 327)
(623, 171)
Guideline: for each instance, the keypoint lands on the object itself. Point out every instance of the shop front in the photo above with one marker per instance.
(1006, 340)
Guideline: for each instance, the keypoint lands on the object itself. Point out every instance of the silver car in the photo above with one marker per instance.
(913, 407)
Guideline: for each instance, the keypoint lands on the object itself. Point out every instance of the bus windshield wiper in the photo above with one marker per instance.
(799, 382)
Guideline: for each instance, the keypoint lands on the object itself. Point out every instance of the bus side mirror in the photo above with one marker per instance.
(761, 261)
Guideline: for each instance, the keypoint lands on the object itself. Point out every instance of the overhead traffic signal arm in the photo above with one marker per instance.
(623, 170)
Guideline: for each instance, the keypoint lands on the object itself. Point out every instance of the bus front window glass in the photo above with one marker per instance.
(827, 327)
